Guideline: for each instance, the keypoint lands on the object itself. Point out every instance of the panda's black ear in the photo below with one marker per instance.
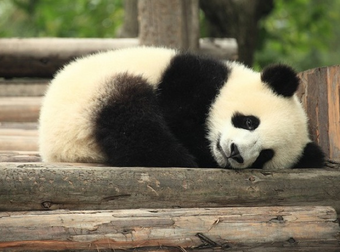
(282, 79)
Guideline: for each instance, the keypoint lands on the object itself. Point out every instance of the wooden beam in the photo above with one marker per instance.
(320, 95)
(19, 156)
(19, 109)
(23, 87)
(38, 186)
(42, 57)
(218, 228)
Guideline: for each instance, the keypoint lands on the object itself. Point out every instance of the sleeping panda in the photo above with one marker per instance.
(159, 107)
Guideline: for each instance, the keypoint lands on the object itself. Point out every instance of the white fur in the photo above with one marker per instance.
(283, 123)
(77, 92)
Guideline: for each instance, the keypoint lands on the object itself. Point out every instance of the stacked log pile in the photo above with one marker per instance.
(90, 207)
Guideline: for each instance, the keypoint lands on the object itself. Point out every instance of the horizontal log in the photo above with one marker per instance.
(19, 109)
(42, 57)
(23, 87)
(18, 132)
(18, 143)
(38, 186)
(19, 156)
(218, 228)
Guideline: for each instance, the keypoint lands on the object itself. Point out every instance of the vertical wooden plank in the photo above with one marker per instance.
(320, 95)
(333, 80)
(172, 24)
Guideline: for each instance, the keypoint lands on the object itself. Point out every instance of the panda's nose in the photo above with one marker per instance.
(235, 153)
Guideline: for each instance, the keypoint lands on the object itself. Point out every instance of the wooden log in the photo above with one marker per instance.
(18, 143)
(38, 186)
(320, 94)
(23, 87)
(219, 228)
(19, 109)
(19, 156)
(42, 57)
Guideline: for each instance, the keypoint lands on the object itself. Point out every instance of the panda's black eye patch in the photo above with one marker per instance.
(247, 122)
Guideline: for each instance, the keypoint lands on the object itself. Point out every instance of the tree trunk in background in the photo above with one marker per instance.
(173, 23)
(130, 26)
(236, 19)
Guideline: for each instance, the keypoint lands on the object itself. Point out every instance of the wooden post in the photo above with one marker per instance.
(320, 95)
(172, 24)
(180, 229)
(130, 25)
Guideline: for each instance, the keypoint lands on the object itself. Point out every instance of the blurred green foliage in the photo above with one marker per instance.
(60, 18)
(301, 33)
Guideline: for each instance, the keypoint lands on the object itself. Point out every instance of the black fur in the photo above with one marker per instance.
(282, 79)
(187, 89)
(265, 156)
(131, 129)
(247, 122)
(312, 157)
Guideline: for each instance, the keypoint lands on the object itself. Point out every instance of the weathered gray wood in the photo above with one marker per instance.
(37, 186)
(23, 87)
(19, 156)
(42, 57)
(182, 228)
(174, 25)
(320, 94)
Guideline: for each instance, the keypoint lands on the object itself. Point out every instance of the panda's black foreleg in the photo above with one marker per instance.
(131, 131)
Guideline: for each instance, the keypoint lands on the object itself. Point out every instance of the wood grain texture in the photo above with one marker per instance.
(39, 186)
(138, 228)
(320, 95)
(42, 57)
(19, 156)
(19, 109)
(174, 26)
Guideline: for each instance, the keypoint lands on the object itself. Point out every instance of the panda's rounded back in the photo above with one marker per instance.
(78, 92)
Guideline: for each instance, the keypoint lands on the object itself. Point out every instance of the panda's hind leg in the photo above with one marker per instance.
(131, 130)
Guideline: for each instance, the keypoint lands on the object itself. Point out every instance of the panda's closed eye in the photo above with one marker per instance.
(247, 122)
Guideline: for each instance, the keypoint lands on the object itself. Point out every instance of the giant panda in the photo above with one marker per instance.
(159, 107)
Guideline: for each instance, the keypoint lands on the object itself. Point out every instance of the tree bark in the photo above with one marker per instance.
(228, 228)
(173, 24)
(236, 19)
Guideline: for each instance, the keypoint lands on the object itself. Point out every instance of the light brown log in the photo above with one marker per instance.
(19, 109)
(128, 229)
(18, 132)
(42, 57)
(320, 94)
(37, 186)
(19, 156)
(23, 87)
(18, 143)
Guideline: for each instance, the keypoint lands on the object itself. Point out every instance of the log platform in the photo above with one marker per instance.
(91, 207)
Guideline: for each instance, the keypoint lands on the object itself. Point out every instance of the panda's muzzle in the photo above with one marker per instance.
(235, 154)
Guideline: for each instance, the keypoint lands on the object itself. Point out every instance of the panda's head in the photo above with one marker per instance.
(257, 121)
